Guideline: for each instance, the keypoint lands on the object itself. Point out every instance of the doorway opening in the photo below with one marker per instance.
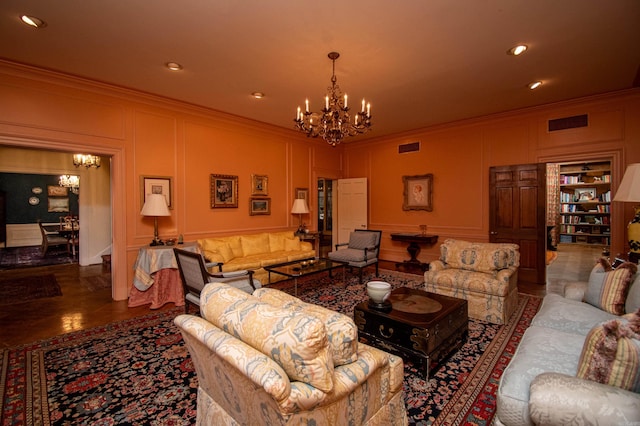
(325, 215)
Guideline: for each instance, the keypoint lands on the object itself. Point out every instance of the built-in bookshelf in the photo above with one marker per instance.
(585, 202)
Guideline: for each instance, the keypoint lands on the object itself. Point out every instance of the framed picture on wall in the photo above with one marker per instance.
(259, 185)
(57, 191)
(224, 191)
(418, 192)
(156, 185)
(58, 205)
(302, 193)
(259, 206)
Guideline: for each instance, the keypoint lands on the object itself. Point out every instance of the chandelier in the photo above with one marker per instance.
(334, 122)
(70, 181)
(86, 160)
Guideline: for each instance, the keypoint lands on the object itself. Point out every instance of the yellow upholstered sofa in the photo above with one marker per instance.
(255, 251)
(271, 359)
(484, 274)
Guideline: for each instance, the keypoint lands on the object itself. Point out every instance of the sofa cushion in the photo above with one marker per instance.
(362, 240)
(568, 315)
(480, 257)
(254, 244)
(295, 340)
(607, 290)
(611, 354)
(216, 250)
(633, 296)
(341, 330)
(292, 244)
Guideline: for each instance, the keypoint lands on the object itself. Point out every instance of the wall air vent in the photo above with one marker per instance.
(409, 147)
(568, 122)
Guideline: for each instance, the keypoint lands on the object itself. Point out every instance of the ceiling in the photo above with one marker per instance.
(418, 62)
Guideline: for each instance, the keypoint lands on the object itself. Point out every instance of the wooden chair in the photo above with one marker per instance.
(51, 238)
(361, 250)
(195, 276)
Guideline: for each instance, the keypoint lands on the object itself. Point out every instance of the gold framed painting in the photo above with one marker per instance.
(156, 185)
(224, 191)
(418, 192)
(57, 191)
(258, 206)
(58, 205)
(259, 185)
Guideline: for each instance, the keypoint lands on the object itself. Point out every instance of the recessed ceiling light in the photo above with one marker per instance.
(33, 21)
(517, 50)
(174, 66)
(258, 95)
(534, 85)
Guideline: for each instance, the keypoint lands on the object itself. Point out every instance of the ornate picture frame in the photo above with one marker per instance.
(156, 185)
(259, 185)
(302, 193)
(58, 205)
(57, 191)
(224, 191)
(259, 206)
(418, 192)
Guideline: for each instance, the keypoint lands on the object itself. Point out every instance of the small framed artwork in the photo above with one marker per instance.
(302, 193)
(156, 185)
(224, 191)
(418, 192)
(259, 185)
(585, 194)
(57, 191)
(259, 206)
(58, 205)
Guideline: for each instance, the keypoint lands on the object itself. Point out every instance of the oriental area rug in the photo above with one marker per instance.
(139, 371)
(24, 289)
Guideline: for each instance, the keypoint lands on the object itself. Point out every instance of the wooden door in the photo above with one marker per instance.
(352, 207)
(517, 201)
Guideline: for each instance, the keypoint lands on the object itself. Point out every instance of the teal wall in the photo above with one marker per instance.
(19, 189)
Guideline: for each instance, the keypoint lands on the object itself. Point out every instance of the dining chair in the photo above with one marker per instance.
(50, 238)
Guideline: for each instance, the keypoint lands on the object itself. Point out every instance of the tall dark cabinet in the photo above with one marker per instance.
(3, 217)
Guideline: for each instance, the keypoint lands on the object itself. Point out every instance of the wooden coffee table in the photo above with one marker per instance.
(422, 327)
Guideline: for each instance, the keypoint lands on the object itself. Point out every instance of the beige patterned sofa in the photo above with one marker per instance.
(271, 359)
(255, 251)
(484, 274)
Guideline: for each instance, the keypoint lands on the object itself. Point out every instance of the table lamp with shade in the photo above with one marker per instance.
(300, 207)
(629, 191)
(155, 205)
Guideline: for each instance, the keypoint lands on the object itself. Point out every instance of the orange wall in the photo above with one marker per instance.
(151, 136)
(460, 154)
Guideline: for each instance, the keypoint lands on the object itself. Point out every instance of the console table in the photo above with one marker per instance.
(156, 279)
(414, 240)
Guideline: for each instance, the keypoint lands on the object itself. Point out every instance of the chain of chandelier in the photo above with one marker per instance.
(333, 123)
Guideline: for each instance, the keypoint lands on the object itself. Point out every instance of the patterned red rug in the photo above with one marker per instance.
(138, 370)
(26, 257)
(23, 289)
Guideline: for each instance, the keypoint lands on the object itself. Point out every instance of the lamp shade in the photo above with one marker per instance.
(300, 206)
(629, 189)
(155, 205)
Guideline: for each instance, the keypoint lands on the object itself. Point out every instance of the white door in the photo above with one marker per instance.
(351, 208)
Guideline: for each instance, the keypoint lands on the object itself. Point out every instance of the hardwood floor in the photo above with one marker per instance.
(82, 305)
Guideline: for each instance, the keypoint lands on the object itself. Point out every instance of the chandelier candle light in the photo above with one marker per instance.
(87, 160)
(334, 122)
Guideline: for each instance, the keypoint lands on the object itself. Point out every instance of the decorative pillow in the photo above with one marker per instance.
(607, 290)
(292, 244)
(276, 240)
(362, 240)
(295, 340)
(341, 330)
(611, 354)
(216, 250)
(255, 244)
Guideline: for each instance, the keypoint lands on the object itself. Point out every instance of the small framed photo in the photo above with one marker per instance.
(58, 205)
(224, 191)
(418, 192)
(585, 194)
(259, 206)
(57, 191)
(156, 185)
(302, 193)
(259, 185)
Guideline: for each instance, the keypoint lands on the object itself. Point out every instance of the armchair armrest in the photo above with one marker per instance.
(561, 399)
(437, 265)
(341, 245)
(211, 265)
(231, 276)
